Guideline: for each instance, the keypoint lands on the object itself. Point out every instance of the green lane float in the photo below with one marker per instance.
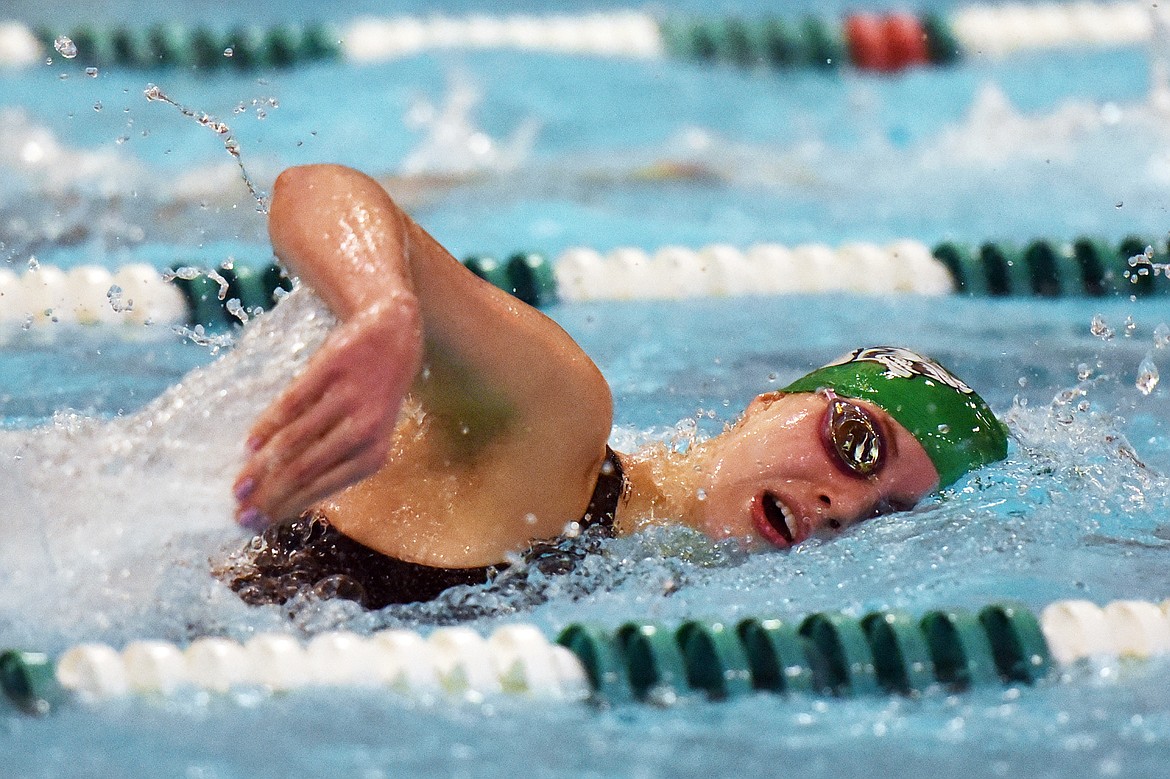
(849, 665)
(901, 654)
(715, 659)
(777, 656)
(602, 659)
(653, 659)
(1017, 642)
(960, 649)
(29, 681)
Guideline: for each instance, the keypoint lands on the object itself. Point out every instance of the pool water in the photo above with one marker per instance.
(117, 486)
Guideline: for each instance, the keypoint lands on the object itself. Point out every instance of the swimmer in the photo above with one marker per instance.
(444, 427)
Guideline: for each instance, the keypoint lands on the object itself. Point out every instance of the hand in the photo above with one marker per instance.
(334, 424)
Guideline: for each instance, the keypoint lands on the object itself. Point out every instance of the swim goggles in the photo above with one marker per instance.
(852, 436)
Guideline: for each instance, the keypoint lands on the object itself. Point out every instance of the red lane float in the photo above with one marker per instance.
(887, 43)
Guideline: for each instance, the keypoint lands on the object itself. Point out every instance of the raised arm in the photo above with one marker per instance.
(515, 408)
(345, 238)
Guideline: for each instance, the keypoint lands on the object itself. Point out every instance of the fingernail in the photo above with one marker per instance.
(244, 489)
(253, 519)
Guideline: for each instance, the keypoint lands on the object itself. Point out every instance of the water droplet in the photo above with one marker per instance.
(944, 429)
(91, 72)
(33, 263)
(701, 494)
(1098, 328)
(1147, 378)
(152, 92)
(1162, 336)
(1130, 326)
(1118, 204)
(1084, 371)
(117, 302)
(530, 518)
(236, 309)
(1145, 258)
(97, 106)
(1022, 381)
(65, 47)
(228, 52)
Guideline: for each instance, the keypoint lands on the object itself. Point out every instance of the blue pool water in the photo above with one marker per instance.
(116, 500)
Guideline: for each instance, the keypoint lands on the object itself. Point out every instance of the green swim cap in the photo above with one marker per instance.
(954, 425)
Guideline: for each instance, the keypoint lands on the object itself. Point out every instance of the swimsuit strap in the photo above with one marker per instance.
(560, 555)
(611, 485)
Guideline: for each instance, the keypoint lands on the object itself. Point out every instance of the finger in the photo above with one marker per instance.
(344, 473)
(285, 446)
(304, 391)
(313, 424)
(351, 438)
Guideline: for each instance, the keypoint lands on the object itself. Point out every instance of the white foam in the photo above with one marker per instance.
(103, 514)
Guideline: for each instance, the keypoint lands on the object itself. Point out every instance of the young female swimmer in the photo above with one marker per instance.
(444, 425)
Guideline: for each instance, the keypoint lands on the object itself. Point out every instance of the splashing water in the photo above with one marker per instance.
(65, 46)
(453, 145)
(1147, 376)
(1099, 328)
(1161, 336)
(117, 302)
(148, 496)
(236, 309)
(154, 94)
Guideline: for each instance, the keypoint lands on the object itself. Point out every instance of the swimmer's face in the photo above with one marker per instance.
(805, 464)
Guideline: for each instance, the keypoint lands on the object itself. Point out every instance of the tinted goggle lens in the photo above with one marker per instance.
(854, 436)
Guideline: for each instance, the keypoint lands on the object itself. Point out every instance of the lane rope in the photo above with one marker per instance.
(821, 654)
(884, 43)
(218, 298)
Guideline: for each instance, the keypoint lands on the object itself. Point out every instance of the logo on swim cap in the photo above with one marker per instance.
(954, 425)
(904, 364)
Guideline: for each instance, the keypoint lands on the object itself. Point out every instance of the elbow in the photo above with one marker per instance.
(295, 185)
(315, 190)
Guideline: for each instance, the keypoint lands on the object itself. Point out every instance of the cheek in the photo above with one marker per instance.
(917, 477)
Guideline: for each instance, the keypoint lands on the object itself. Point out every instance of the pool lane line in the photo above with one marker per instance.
(217, 299)
(888, 42)
(828, 654)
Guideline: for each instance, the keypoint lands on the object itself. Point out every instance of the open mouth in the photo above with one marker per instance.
(775, 521)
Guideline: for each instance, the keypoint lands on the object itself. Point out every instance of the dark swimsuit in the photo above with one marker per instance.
(308, 552)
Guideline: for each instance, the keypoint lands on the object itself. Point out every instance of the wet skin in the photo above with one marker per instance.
(773, 479)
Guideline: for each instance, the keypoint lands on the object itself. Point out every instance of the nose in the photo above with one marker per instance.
(848, 505)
